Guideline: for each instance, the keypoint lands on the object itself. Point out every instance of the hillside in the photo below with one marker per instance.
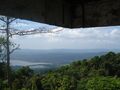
(97, 73)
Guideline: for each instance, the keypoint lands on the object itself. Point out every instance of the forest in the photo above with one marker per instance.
(97, 73)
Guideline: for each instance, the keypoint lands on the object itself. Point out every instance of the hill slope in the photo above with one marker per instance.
(97, 73)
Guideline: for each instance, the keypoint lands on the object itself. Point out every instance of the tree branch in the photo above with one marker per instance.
(14, 49)
(12, 19)
(2, 19)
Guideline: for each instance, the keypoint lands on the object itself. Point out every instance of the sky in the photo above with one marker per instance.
(77, 38)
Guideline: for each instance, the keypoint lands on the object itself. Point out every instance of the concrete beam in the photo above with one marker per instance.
(66, 13)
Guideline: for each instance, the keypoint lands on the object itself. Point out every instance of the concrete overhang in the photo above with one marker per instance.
(66, 13)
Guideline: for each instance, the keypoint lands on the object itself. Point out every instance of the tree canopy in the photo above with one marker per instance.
(97, 73)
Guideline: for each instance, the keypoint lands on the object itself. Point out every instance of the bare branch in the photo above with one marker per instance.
(2, 29)
(12, 19)
(3, 58)
(3, 19)
(35, 31)
(14, 49)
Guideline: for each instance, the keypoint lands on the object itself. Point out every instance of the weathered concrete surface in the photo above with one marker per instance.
(67, 13)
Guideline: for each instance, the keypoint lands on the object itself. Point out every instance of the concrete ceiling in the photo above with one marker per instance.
(66, 13)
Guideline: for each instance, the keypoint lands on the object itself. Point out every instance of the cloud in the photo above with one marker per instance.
(21, 24)
(101, 37)
(97, 37)
(81, 33)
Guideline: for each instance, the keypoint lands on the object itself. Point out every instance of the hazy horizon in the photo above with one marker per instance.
(56, 57)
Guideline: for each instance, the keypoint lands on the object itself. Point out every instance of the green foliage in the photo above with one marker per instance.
(24, 72)
(1, 84)
(2, 41)
(54, 81)
(97, 73)
(34, 83)
(2, 71)
(99, 83)
(84, 72)
(2, 48)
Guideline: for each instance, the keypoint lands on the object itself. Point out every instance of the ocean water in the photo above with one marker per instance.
(24, 57)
